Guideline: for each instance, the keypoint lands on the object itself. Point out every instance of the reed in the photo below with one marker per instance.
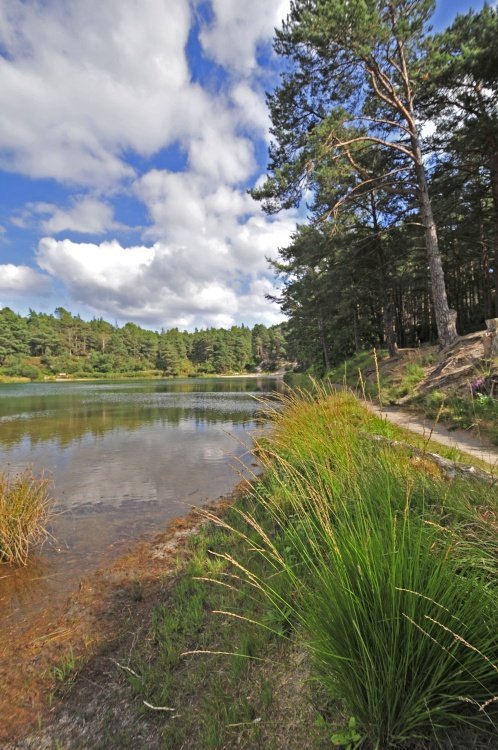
(25, 506)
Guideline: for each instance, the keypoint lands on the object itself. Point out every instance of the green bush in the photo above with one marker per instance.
(16, 367)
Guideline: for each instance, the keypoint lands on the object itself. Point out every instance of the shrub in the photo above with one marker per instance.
(19, 368)
(25, 506)
(31, 371)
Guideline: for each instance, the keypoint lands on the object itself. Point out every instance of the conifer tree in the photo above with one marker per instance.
(355, 64)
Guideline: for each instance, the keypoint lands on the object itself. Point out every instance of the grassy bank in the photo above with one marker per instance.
(348, 599)
(402, 380)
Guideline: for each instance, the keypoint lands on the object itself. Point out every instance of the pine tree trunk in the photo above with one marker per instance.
(389, 328)
(485, 268)
(356, 332)
(321, 328)
(493, 168)
(445, 318)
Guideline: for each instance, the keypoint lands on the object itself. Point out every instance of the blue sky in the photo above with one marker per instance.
(129, 134)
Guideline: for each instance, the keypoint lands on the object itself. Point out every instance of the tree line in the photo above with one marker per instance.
(389, 133)
(41, 343)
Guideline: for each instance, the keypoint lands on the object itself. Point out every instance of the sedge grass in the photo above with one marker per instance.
(390, 574)
(25, 505)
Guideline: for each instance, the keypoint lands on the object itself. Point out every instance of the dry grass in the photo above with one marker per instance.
(25, 506)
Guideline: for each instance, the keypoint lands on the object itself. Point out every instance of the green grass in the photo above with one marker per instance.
(373, 574)
(218, 672)
(413, 377)
(25, 506)
(479, 412)
(392, 574)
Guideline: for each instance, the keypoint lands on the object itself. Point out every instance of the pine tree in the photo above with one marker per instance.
(358, 64)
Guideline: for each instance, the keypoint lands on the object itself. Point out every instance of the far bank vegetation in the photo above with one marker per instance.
(63, 345)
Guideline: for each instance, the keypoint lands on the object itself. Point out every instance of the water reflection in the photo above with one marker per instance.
(67, 412)
(124, 457)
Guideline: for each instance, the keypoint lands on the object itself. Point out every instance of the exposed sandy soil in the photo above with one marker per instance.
(96, 619)
(452, 369)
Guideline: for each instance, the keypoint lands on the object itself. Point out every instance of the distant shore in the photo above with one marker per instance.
(278, 374)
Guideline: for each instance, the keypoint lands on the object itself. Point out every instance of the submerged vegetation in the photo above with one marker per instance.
(25, 505)
(367, 563)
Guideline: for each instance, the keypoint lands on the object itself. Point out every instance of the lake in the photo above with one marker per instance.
(124, 458)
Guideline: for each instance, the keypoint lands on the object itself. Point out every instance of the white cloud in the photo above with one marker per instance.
(87, 86)
(220, 224)
(238, 28)
(19, 280)
(251, 111)
(85, 215)
(84, 81)
(158, 285)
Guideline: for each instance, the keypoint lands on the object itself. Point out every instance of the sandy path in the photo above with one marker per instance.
(460, 439)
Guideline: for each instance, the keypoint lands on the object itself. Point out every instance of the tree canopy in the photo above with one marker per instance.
(64, 343)
(391, 133)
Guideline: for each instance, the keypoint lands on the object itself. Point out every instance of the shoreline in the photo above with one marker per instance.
(91, 620)
(278, 375)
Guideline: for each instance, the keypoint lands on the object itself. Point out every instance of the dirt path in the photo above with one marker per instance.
(460, 439)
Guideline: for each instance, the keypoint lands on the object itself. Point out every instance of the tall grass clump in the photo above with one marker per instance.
(391, 583)
(25, 505)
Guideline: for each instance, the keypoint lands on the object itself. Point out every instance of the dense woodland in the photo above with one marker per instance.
(63, 343)
(389, 132)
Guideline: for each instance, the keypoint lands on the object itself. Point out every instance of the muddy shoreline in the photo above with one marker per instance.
(91, 622)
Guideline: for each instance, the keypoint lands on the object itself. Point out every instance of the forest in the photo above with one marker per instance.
(64, 344)
(388, 133)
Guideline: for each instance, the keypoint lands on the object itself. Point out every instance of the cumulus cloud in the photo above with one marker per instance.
(90, 93)
(88, 216)
(218, 226)
(155, 284)
(85, 215)
(83, 81)
(250, 109)
(15, 280)
(233, 37)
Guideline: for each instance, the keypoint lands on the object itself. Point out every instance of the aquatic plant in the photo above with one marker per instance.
(25, 505)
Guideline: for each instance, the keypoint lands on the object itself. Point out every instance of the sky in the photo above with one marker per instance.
(130, 131)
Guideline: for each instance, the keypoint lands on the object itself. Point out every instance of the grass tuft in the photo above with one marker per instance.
(389, 574)
(25, 505)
